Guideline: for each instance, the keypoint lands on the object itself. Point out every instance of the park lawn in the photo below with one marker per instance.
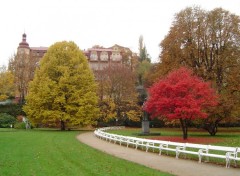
(47, 152)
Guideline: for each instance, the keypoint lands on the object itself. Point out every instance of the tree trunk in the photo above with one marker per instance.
(184, 126)
(21, 100)
(140, 79)
(62, 125)
(211, 128)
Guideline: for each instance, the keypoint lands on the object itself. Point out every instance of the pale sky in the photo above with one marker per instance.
(93, 22)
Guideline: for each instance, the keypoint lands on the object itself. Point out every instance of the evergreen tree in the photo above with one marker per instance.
(143, 55)
(144, 62)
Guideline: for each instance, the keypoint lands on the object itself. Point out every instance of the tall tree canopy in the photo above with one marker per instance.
(209, 43)
(63, 91)
(180, 95)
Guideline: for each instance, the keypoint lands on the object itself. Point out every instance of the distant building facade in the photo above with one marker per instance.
(35, 53)
(24, 65)
(27, 59)
(98, 57)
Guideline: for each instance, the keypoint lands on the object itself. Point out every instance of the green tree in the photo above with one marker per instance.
(143, 55)
(144, 62)
(142, 70)
(12, 109)
(6, 120)
(63, 91)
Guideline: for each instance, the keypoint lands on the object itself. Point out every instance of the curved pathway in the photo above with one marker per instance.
(180, 167)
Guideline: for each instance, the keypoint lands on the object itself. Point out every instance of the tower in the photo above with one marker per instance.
(22, 68)
(23, 47)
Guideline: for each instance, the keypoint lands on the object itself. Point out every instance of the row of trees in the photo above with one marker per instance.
(117, 95)
(207, 42)
(61, 88)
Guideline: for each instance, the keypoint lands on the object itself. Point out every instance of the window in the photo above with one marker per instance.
(93, 55)
(104, 56)
(116, 56)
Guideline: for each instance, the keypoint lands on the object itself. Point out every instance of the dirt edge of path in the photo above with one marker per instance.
(180, 167)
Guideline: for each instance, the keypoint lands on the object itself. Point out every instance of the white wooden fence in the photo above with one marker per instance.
(202, 151)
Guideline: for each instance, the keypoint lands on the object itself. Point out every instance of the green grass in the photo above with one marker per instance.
(228, 137)
(44, 152)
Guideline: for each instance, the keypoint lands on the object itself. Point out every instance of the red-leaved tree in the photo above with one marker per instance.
(180, 95)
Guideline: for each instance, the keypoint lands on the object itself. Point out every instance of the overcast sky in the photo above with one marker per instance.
(92, 22)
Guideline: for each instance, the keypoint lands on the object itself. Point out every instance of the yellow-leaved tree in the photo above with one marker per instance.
(6, 84)
(63, 91)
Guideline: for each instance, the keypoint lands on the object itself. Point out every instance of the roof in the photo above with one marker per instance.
(24, 43)
(119, 46)
(99, 49)
(41, 48)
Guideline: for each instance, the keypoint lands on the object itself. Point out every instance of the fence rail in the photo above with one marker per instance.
(200, 150)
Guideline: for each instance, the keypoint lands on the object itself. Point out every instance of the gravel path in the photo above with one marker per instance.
(180, 167)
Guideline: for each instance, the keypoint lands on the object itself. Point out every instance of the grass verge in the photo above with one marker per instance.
(45, 152)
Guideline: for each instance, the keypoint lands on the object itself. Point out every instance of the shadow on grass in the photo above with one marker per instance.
(216, 136)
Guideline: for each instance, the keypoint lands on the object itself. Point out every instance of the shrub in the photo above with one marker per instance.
(20, 125)
(12, 109)
(6, 120)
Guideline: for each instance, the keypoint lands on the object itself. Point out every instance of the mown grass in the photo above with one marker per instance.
(44, 152)
(227, 137)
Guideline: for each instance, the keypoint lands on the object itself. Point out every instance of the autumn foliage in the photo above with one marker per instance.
(63, 91)
(118, 96)
(208, 42)
(180, 95)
